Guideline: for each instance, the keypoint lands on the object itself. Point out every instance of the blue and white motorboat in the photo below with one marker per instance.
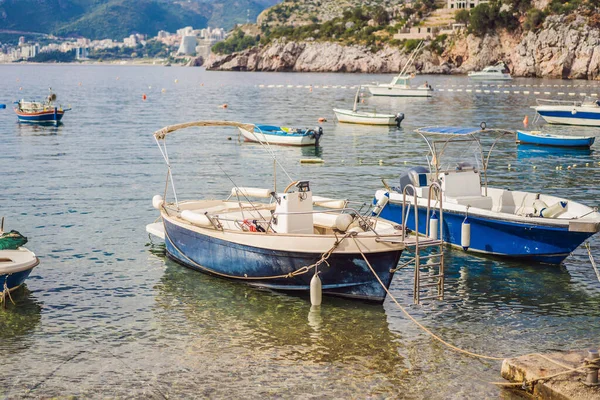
(283, 135)
(586, 112)
(482, 219)
(16, 262)
(281, 242)
(491, 73)
(547, 139)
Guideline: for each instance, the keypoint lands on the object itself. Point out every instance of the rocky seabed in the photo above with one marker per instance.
(562, 48)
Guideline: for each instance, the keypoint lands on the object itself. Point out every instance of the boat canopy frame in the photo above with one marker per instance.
(437, 146)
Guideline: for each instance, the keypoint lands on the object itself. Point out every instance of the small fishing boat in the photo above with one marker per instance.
(586, 112)
(547, 139)
(282, 135)
(532, 226)
(491, 73)
(366, 117)
(40, 112)
(400, 85)
(16, 262)
(281, 243)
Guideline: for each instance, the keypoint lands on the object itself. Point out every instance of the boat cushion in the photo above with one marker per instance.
(465, 183)
(484, 202)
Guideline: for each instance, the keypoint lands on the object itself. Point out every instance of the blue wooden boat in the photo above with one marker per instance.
(282, 242)
(547, 139)
(40, 112)
(16, 262)
(482, 219)
(282, 135)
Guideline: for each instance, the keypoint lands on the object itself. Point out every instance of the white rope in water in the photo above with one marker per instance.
(587, 246)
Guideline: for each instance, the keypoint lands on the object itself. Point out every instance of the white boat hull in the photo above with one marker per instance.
(490, 77)
(392, 91)
(570, 115)
(286, 140)
(365, 118)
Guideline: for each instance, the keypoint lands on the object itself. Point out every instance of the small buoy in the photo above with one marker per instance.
(534, 167)
(144, 96)
(149, 87)
(574, 165)
(316, 293)
(404, 162)
(380, 162)
(229, 138)
(164, 90)
(434, 226)
(20, 88)
(465, 237)
(223, 106)
(568, 167)
(310, 89)
(557, 168)
(360, 161)
(587, 164)
(2, 106)
(176, 80)
(526, 120)
(202, 84)
(117, 78)
(79, 83)
(322, 119)
(574, 112)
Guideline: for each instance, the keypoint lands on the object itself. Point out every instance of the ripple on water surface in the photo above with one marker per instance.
(105, 315)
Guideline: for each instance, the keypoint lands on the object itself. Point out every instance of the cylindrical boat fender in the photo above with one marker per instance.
(465, 234)
(538, 207)
(196, 219)
(574, 112)
(399, 118)
(554, 211)
(343, 221)
(381, 203)
(434, 226)
(157, 201)
(316, 290)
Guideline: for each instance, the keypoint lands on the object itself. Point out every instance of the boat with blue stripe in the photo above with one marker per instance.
(282, 135)
(291, 241)
(477, 218)
(586, 112)
(546, 139)
(40, 112)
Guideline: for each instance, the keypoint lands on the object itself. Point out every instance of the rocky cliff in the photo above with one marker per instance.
(565, 47)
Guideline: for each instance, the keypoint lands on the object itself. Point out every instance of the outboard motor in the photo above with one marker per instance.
(399, 118)
(416, 176)
(317, 133)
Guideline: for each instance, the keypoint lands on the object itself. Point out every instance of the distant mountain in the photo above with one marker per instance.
(116, 19)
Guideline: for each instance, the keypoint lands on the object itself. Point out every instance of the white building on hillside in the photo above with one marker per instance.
(466, 4)
(188, 45)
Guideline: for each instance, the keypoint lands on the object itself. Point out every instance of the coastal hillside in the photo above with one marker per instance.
(550, 38)
(115, 19)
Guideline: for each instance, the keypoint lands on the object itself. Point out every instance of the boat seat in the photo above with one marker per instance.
(484, 202)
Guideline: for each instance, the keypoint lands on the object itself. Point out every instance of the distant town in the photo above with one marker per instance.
(180, 46)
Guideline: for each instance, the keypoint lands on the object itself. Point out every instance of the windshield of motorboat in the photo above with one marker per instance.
(456, 153)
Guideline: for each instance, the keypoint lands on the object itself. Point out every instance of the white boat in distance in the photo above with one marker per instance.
(492, 72)
(366, 117)
(400, 85)
(568, 112)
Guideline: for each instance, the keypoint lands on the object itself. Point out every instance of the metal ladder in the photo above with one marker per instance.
(429, 268)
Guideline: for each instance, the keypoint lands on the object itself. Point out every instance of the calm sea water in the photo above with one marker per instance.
(107, 315)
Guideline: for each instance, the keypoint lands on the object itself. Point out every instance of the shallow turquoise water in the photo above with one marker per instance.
(106, 315)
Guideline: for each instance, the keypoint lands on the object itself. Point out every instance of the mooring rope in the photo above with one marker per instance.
(587, 363)
(5, 292)
(302, 270)
(587, 246)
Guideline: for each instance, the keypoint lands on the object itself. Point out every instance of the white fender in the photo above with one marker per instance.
(382, 202)
(195, 218)
(465, 234)
(157, 201)
(539, 206)
(434, 226)
(554, 211)
(251, 192)
(316, 292)
(343, 221)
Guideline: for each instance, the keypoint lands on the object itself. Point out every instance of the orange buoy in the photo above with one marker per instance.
(79, 83)
(322, 119)
(20, 88)
(144, 96)
(223, 106)
(526, 120)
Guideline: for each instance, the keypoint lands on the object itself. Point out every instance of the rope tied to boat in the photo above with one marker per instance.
(5, 293)
(300, 271)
